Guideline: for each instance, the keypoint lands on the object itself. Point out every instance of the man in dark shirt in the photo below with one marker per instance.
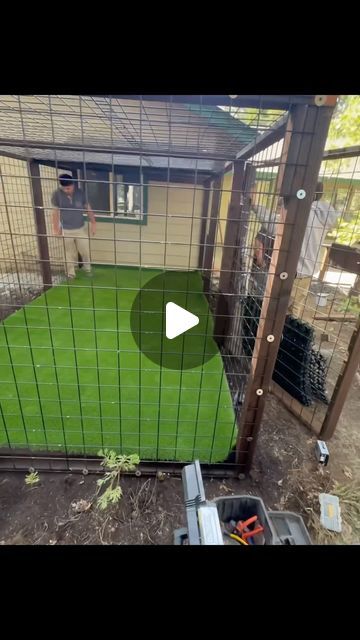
(70, 205)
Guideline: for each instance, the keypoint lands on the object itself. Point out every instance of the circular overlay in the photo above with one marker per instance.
(191, 349)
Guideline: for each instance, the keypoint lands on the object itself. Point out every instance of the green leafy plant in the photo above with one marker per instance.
(344, 130)
(115, 464)
(32, 478)
(349, 306)
(347, 233)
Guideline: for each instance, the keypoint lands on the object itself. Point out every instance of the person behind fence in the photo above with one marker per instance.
(322, 218)
(70, 204)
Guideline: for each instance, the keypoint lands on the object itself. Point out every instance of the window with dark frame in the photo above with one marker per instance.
(118, 195)
(128, 198)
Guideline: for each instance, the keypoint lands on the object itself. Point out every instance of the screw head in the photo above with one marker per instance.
(259, 392)
(138, 473)
(300, 194)
(320, 100)
(270, 338)
(284, 275)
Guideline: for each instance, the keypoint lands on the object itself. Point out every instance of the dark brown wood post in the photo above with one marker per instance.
(40, 224)
(211, 234)
(342, 387)
(204, 219)
(229, 251)
(303, 148)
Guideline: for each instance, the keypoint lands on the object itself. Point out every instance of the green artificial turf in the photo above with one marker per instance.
(72, 378)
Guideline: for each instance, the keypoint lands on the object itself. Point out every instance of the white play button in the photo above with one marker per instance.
(178, 320)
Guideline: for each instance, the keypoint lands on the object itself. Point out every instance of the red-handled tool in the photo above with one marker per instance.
(243, 528)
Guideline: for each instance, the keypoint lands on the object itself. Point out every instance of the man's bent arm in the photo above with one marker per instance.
(56, 222)
(91, 216)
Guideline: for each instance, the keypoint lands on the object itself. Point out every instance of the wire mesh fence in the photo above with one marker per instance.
(181, 201)
(20, 272)
(324, 304)
(326, 292)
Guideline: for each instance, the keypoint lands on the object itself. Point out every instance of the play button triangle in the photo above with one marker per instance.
(178, 320)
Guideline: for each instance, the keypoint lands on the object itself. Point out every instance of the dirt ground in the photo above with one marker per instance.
(285, 474)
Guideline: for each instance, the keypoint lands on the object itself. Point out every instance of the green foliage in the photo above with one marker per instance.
(110, 496)
(343, 132)
(347, 233)
(351, 305)
(32, 478)
(116, 464)
(112, 460)
(344, 126)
